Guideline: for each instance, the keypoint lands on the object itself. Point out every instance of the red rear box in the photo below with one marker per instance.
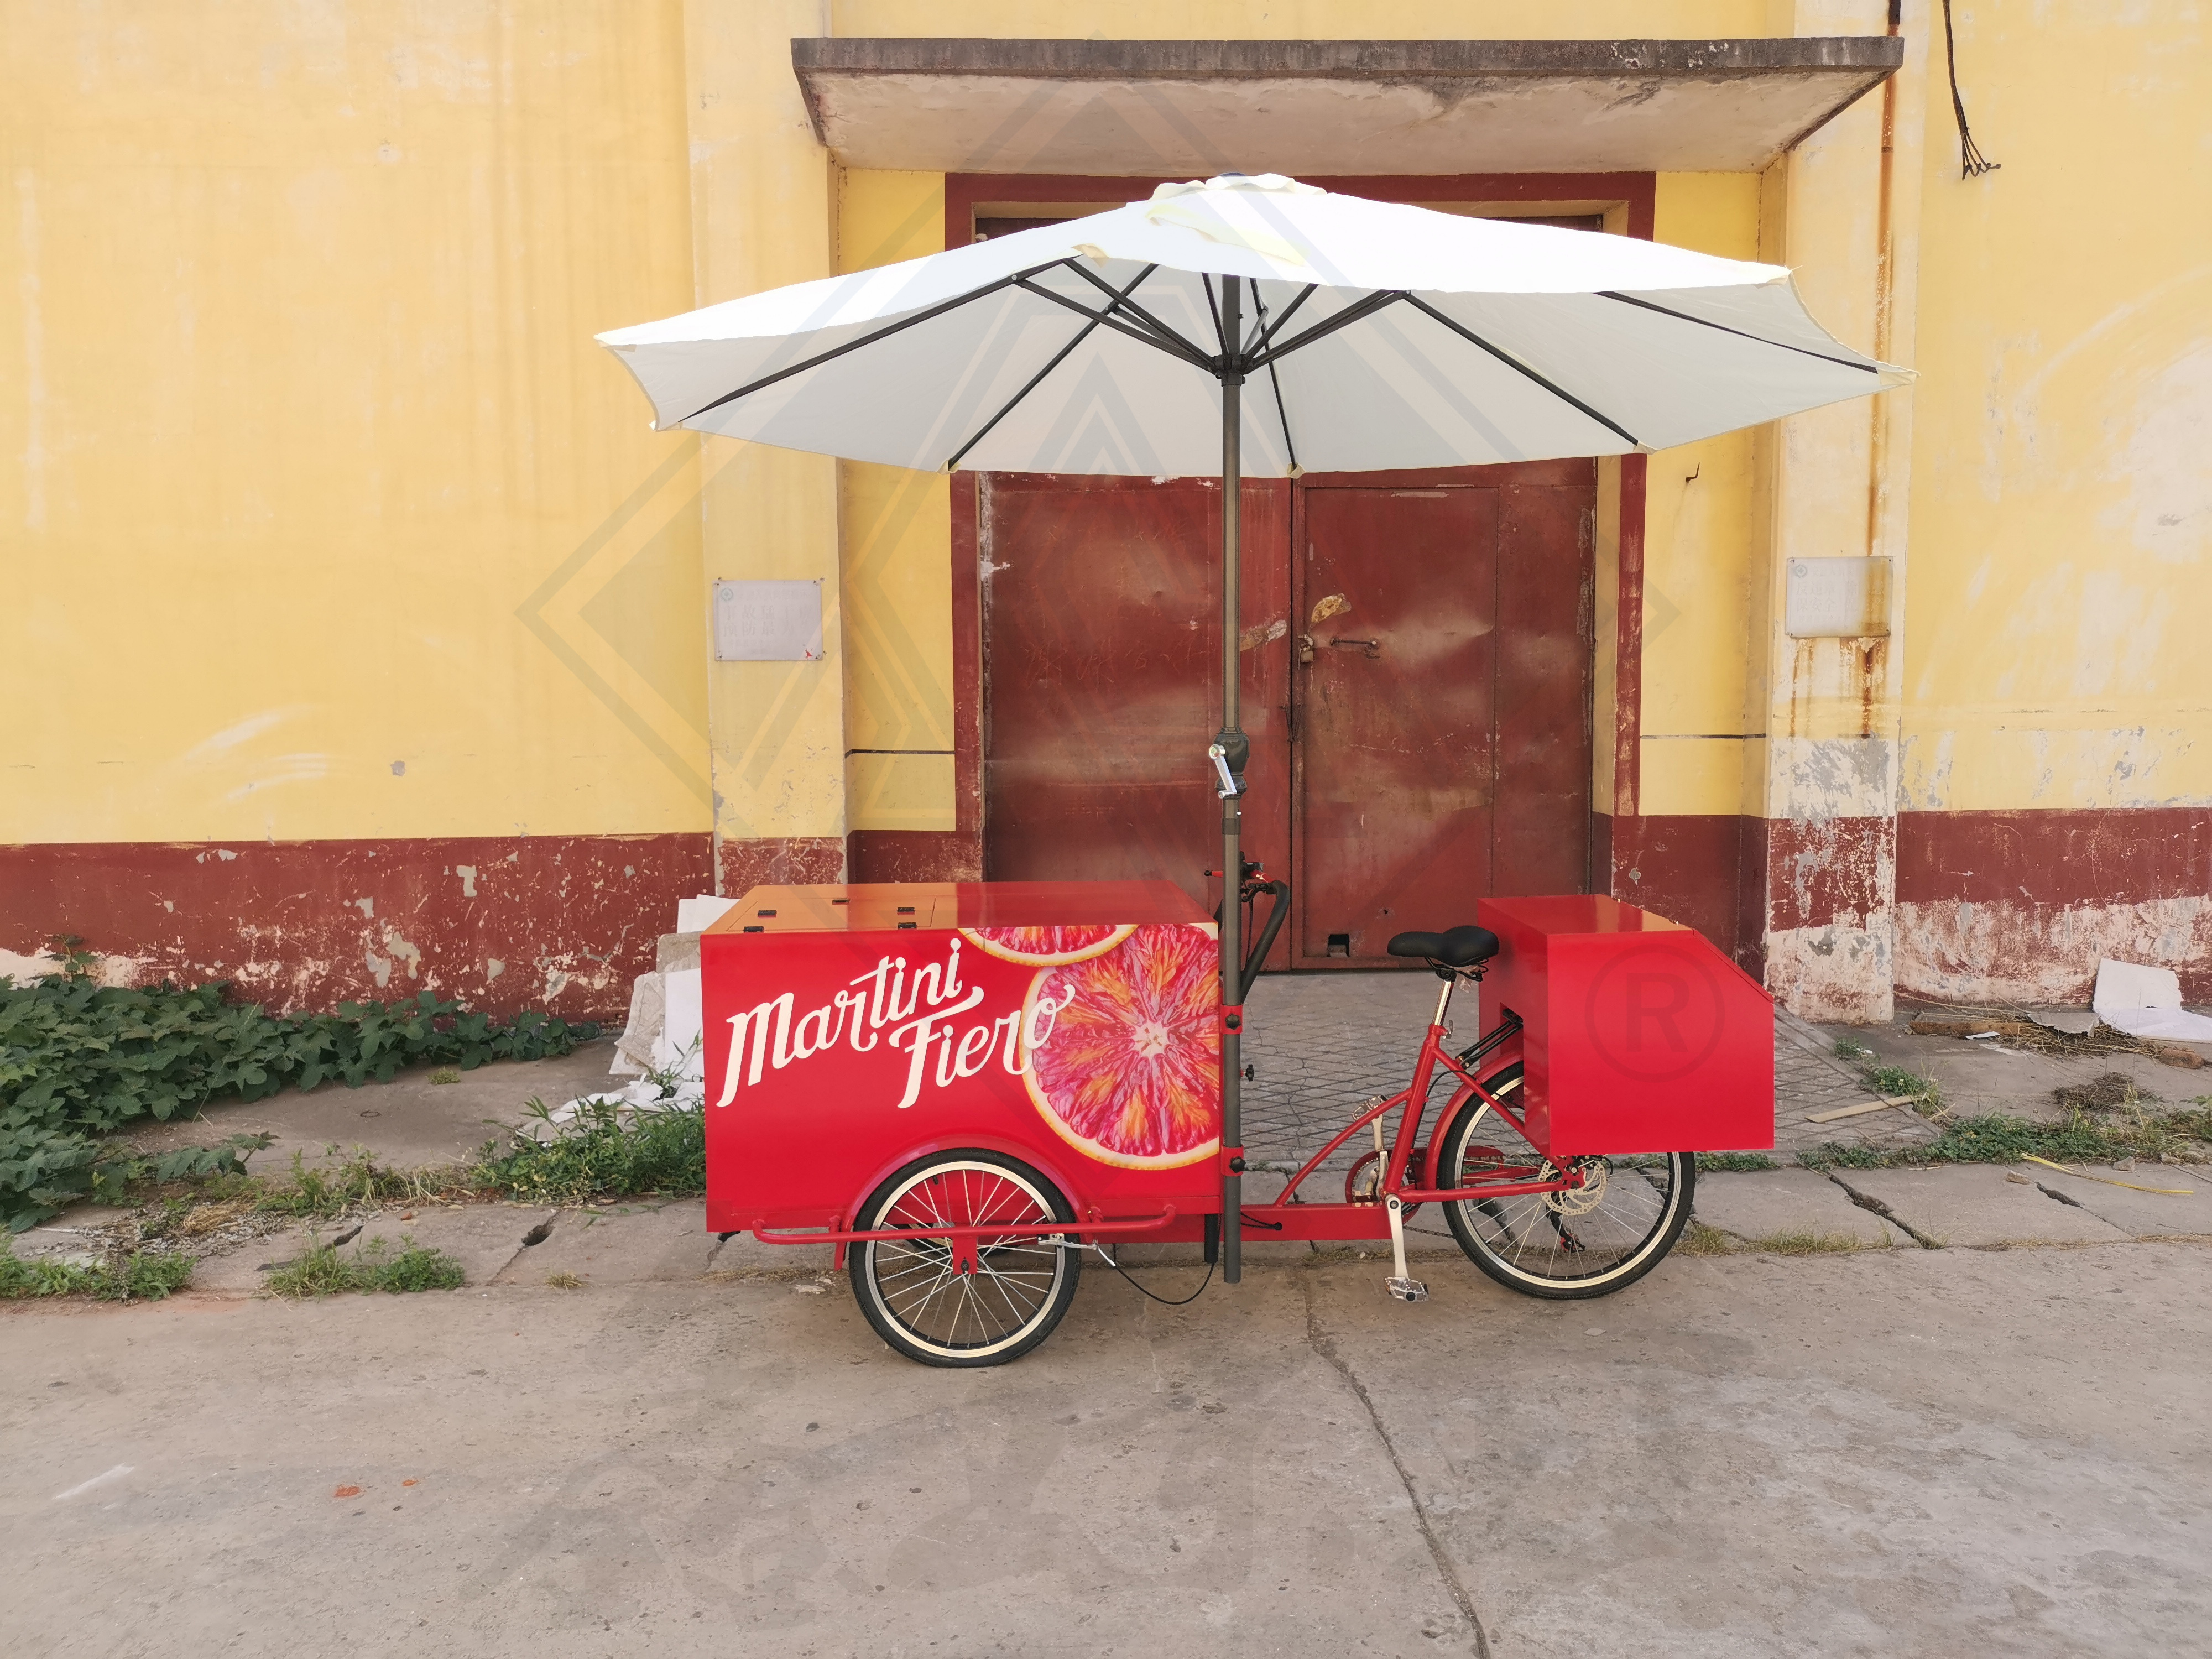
(1637, 1035)
(851, 1029)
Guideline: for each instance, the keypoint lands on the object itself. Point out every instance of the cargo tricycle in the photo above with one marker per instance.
(965, 1086)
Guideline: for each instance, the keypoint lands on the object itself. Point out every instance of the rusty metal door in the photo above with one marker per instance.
(1441, 746)
(1101, 624)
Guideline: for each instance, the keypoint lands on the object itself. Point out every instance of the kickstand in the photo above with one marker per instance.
(1405, 1289)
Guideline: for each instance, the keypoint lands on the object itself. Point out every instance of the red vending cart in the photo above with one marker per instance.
(963, 1086)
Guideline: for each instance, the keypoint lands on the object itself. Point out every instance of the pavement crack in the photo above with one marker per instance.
(1869, 1201)
(1325, 1346)
(2063, 1198)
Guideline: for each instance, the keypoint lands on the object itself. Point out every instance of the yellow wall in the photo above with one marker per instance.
(2061, 579)
(1699, 555)
(316, 473)
(761, 217)
(324, 517)
(897, 536)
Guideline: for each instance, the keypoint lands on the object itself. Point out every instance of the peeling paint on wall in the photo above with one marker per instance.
(1960, 952)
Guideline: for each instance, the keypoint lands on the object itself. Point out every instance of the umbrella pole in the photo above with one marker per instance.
(1235, 747)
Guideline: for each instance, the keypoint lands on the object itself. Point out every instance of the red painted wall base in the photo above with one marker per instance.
(558, 923)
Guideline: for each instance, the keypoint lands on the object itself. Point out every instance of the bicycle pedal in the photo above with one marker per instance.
(1408, 1290)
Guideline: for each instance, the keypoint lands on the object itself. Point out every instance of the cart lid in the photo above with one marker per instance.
(1579, 912)
(842, 906)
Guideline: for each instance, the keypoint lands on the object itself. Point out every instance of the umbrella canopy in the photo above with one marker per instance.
(1376, 335)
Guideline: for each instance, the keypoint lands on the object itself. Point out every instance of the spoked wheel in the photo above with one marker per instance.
(915, 1296)
(1584, 1242)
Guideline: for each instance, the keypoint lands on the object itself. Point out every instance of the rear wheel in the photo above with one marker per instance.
(913, 1293)
(1584, 1242)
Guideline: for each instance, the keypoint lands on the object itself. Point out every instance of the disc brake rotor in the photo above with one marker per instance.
(1580, 1200)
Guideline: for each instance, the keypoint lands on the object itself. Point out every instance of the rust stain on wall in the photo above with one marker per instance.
(1873, 674)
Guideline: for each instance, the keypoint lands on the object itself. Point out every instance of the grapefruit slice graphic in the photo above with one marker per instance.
(1128, 1070)
(1049, 947)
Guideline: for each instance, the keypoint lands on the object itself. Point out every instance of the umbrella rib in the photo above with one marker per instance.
(1281, 414)
(1358, 311)
(1683, 316)
(1179, 348)
(1123, 302)
(1267, 335)
(1038, 380)
(1020, 277)
(1520, 367)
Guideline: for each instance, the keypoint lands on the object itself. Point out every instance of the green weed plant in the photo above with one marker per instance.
(1997, 1138)
(324, 1271)
(80, 1062)
(600, 1155)
(146, 1276)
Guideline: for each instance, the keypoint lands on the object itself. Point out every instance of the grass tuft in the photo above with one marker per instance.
(146, 1276)
(1896, 1080)
(1734, 1163)
(1797, 1242)
(373, 1267)
(564, 1281)
(1996, 1138)
(1698, 1239)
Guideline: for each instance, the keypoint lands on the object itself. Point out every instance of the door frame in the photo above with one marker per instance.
(1627, 201)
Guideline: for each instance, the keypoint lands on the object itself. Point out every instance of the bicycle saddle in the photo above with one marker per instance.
(1458, 947)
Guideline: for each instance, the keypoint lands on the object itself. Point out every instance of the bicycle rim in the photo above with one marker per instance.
(1017, 1284)
(1568, 1244)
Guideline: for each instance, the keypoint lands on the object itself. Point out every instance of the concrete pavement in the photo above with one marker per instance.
(1899, 1452)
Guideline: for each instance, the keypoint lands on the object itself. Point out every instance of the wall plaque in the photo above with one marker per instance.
(767, 621)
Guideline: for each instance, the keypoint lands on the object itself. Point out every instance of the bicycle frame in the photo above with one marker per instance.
(1293, 1217)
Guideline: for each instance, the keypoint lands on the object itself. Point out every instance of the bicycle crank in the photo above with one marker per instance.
(1402, 1286)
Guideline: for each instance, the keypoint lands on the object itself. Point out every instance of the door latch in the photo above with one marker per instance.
(1373, 647)
(1305, 648)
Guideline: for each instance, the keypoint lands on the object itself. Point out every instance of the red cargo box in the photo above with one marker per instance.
(852, 1029)
(1637, 1035)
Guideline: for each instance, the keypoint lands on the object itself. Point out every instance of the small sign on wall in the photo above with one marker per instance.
(1837, 598)
(767, 621)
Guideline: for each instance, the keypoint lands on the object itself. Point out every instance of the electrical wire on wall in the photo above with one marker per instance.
(1972, 162)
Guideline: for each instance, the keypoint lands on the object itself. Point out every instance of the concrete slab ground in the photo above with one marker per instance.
(1789, 1201)
(1902, 1453)
(1974, 1205)
(2185, 1214)
(244, 1269)
(626, 1244)
(484, 1238)
(1978, 1077)
(408, 1123)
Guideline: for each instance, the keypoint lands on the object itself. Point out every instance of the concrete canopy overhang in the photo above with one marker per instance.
(1198, 108)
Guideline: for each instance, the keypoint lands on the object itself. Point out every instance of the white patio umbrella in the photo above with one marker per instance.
(1376, 335)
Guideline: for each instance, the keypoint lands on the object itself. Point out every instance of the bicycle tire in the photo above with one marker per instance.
(934, 1317)
(1507, 1241)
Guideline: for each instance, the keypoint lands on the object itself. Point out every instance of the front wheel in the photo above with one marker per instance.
(913, 1293)
(1586, 1242)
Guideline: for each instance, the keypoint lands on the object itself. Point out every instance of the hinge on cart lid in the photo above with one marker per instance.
(1232, 1019)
